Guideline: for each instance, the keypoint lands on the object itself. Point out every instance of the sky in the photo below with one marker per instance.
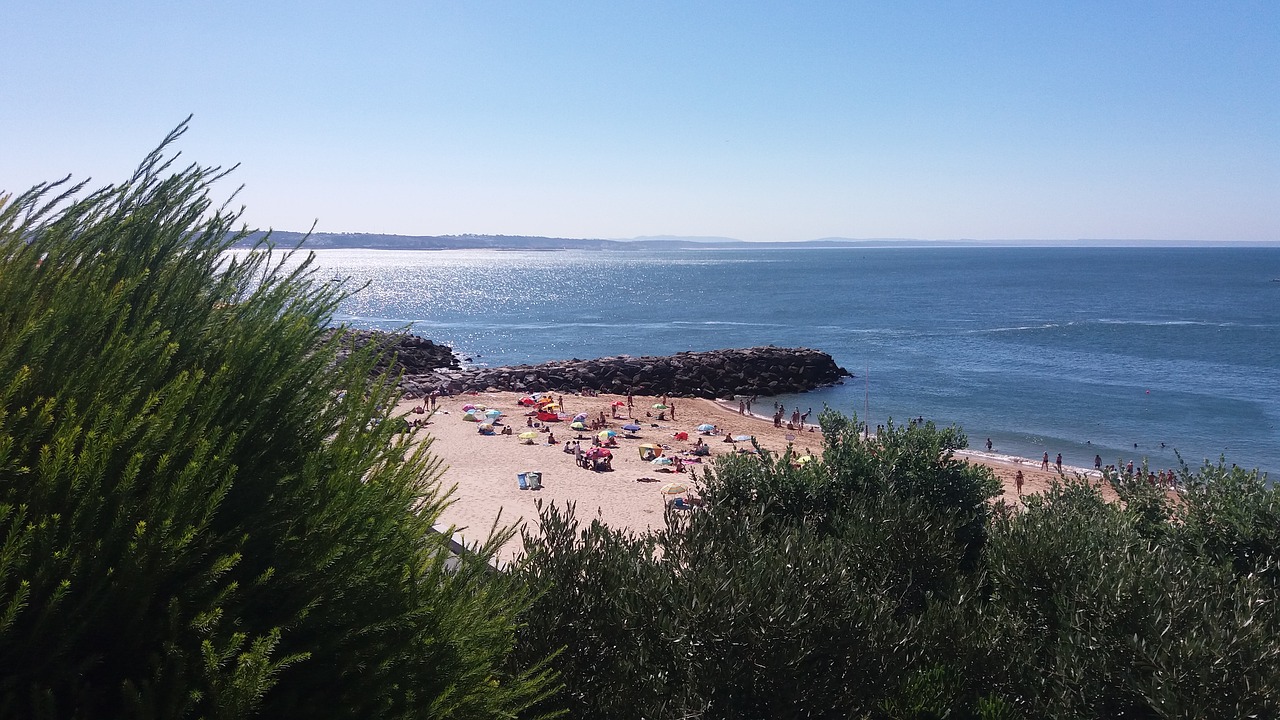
(751, 120)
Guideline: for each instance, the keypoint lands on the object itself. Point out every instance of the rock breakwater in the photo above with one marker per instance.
(710, 374)
(406, 353)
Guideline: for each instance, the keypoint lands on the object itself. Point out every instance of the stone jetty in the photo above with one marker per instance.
(430, 368)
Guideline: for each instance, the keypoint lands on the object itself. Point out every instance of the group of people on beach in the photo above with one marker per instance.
(797, 421)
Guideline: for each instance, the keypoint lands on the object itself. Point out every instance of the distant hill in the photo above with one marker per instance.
(318, 241)
(373, 241)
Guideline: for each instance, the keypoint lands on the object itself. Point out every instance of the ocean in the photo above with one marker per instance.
(1128, 353)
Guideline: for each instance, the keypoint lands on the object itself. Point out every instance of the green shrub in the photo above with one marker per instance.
(812, 591)
(202, 513)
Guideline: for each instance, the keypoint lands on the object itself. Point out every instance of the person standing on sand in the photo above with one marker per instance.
(1044, 462)
(1017, 482)
(1059, 462)
(742, 407)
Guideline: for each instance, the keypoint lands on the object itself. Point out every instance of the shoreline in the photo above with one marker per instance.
(983, 457)
(483, 469)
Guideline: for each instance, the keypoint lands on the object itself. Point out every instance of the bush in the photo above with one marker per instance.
(880, 582)
(812, 591)
(202, 512)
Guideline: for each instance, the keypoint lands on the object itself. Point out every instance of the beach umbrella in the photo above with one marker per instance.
(530, 435)
(580, 417)
(607, 434)
(485, 427)
(742, 438)
(578, 425)
(493, 414)
(804, 459)
(619, 403)
(673, 489)
(526, 400)
(470, 417)
(706, 428)
(659, 406)
(631, 427)
(468, 407)
(661, 461)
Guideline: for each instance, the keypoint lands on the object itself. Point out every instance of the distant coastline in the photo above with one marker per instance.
(374, 241)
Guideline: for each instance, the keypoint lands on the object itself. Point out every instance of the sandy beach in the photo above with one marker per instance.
(483, 468)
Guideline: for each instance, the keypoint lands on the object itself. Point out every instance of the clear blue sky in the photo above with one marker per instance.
(760, 121)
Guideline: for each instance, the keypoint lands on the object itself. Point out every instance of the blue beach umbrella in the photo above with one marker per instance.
(631, 427)
(706, 428)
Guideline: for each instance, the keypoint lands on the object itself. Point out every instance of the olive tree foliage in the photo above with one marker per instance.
(800, 591)
(886, 580)
(202, 513)
(1139, 608)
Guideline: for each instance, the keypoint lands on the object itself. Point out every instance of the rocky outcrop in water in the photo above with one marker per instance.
(715, 373)
(413, 355)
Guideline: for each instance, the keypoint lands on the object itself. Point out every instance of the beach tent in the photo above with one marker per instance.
(470, 417)
(649, 451)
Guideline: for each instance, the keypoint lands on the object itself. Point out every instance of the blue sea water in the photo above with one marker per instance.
(1071, 350)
